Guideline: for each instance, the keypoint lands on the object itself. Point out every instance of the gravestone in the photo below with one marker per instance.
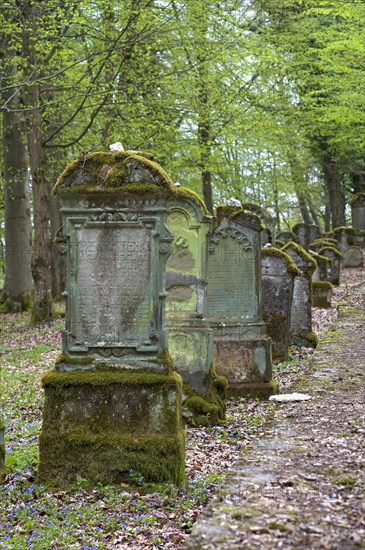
(301, 310)
(314, 232)
(324, 267)
(333, 254)
(286, 237)
(321, 294)
(278, 272)
(345, 237)
(113, 402)
(352, 257)
(234, 311)
(358, 217)
(190, 341)
(268, 232)
(302, 233)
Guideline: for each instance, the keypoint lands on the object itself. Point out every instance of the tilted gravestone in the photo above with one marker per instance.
(302, 233)
(333, 254)
(358, 217)
(345, 237)
(278, 272)
(190, 341)
(113, 402)
(301, 310)
(242, 349)
(352, 257)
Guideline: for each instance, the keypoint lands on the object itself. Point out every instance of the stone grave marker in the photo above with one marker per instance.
(321, 294)
(278, 272)
(268, 232)
(345, 237)
(286, 237)
(358, 217)
(323, 269)
(301, 332)
(113, 401)
(314, 232)
(190, 340)
(333, 275)
(302, 233)
(234, 311)
(352, 257)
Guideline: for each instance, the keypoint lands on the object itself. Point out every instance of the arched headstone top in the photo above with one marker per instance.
(301, 256)
(124, 172)
(262, 213)
(289, 263)
(238, 215)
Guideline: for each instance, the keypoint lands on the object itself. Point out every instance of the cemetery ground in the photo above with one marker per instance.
(278, 493)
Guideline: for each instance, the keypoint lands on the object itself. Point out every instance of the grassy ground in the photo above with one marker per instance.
(133, 515)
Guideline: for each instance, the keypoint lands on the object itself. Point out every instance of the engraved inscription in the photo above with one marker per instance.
(232, 281)
(113, 281)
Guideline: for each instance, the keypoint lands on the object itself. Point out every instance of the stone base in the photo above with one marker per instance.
(100, 425)
(243, 361)
(321, 294)
(261, 390)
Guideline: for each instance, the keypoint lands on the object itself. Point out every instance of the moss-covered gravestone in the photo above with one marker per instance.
(268, 231)
(314, 232)
(190, 340)
(358, 217)
(286, 237)
(113, 402)
(278, 272)
(333, 273)
(352, 257)
(345, 237)
(301, 310)
(242, 349)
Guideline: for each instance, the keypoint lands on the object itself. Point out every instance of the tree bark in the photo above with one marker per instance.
(333, 180)
(41, 260)
(18, 278)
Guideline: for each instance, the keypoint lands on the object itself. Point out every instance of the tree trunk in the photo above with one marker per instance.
(333, 180)
(18, 278)
(41, 261)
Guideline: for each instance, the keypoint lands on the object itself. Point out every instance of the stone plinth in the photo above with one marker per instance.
(190, 340)
(301, 311)
(242, 348)
(113, 401)
(278, 272)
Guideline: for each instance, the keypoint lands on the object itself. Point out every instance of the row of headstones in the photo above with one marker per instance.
(114, 400)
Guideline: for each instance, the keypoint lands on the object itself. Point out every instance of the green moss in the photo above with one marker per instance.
(186, 193)
(63, 358)
(319, 258)
(321, 284)
(330, 249)
(301, 252)
(101, 171)
(108, 458)
(278, 253)
(300, 224)
(357, 198)
(239, 215)
(256, 390)
(165, 360)
(64, 379)
(348, 230)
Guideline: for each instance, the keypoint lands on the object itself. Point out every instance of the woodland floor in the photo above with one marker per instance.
(300, 484)
(274, 476)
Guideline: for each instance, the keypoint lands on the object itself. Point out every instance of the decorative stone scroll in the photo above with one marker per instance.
(113, 401)
(242, 349)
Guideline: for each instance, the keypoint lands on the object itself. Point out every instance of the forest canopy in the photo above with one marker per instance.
(262, 100)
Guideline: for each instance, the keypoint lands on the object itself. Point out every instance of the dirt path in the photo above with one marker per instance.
(301, 484)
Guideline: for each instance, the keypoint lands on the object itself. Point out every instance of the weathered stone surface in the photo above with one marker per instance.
(302, 233)
(333, 273)
(314, 232)
(286, 237)
(2, 444)
(352, 257)
(345, 237)
(321, 294)
(358, 218)
(268, 233)
(278, 272)
(301, 310)
(323, 269)
(242, 348)
(113, 402)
